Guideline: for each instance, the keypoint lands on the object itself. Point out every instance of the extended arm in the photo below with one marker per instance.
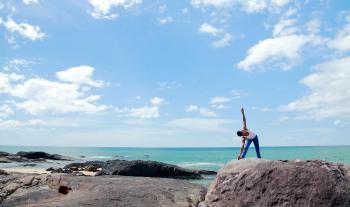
(242, 147)
(244, 120)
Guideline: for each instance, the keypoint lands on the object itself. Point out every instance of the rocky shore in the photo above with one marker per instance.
(248, 182)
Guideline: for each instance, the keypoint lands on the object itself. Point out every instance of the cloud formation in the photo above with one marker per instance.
(329, 95)
(25, 30)
(102, 9)
(284, 48)
(41, 96)
(201, 110)
(223, 38)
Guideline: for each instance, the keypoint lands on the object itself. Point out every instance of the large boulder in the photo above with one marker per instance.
(60, 190)
(258, 182)
(142, 168)
(147, 169)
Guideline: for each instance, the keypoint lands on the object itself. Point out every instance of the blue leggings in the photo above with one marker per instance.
(247, 144)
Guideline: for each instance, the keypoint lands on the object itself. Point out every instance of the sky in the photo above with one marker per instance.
(141, 73)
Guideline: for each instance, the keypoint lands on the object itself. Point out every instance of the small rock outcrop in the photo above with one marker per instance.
(257, 182)
(67, 190)
(41, 155)
(22, 156)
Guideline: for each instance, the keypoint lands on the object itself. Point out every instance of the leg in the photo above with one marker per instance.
(246, 147)
(256, 145)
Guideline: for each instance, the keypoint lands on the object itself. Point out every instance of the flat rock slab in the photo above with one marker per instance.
(257, 182)
(101, 191)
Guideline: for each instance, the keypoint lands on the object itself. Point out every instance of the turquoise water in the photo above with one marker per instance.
(204, 158)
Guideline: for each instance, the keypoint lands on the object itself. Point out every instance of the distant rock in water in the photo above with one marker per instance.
(66, 190)
(257, 182)
(22, 156)
(41, 155)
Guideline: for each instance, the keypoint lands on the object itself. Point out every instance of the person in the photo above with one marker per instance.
(248, 136)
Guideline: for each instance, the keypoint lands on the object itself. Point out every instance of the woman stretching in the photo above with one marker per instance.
(248, 136)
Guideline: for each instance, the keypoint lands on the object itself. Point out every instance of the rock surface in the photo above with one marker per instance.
(257, 182)
(140, 168)
(67, 190)
(22, 156)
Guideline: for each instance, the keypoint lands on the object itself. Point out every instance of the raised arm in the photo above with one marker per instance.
(244, 120)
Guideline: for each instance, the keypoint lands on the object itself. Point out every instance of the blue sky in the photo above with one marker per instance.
(139, 73)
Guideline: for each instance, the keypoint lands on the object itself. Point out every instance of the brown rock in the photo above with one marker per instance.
(64, 189)
(257, 182)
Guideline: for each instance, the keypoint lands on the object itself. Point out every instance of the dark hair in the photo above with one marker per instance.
(239, 133)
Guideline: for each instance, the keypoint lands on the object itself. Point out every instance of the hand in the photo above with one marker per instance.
(242, 110)
(239, 157)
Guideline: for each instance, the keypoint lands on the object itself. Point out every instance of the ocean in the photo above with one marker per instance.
(202, 158)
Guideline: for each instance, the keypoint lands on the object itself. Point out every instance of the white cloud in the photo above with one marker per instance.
(23, 29)
(146, 112)
(223, 42)
(80, 75)
(223, 38)
(285, 27)
(192, 108)
(209, 29)
(201, 110)
(30, 1)
(247, 5)
(165, 20)
(286, 48)
(102, 8)
(313, 26)
(215, 125)
(121, 110)
(219, 102)
(6, 81)
(329, 92)
(41, 96)
(6, 111)
(156, 101)
(342, 41)
(17, 64)
(8, 124)
(214, 3)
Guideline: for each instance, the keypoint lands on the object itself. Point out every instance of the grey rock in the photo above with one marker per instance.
(4, 153)
(30, 157)
(41, 155)
(205, 172)
(55, 190)
(257, 182)
(3, 172)
(140, 168)
(148, 169)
